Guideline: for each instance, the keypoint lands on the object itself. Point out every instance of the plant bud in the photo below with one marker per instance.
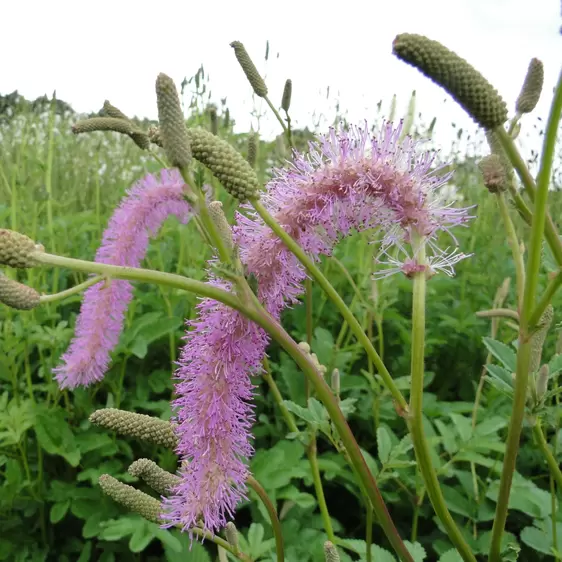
(249, 68)
(160, 480)
(219, 219)
(16, 249)
(231, 533)
(532, 88)
(493, 173)
(226, 164)
(331, 552)
(173, 131)
(467, 86)
(287, 93)
(538, 338)
(253, 140)
(16, 295)
(111, 111)
(336, 381)
(133, 499)
(542, 382)
(115, 124)
(141, 426)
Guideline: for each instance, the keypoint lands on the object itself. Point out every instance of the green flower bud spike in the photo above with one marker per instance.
(141, 426)
(252, 156)
(115, 124)
(111, 111)
(287, 93)
(226, 164)
(213, 117)
(133, 499)
(532, 88)
(18, 296)
(493, 173)
(160, 480)
(538, 338)
(16, 249)
(331, 552)
(467, 86)
(542, 383)
(173, 131)
(249, 68)
(223, 227)
(231, 533)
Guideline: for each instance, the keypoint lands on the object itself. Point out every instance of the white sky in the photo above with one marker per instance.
(92, 50)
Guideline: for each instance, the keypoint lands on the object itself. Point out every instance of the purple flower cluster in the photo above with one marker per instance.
(100, 322)
(349, 181)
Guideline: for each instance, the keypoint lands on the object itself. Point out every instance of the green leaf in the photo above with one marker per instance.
(55, 436)
(188, 551)
(416, 550)
(525, 497)
(116, 529)
(463, 425)
(539, 536)
(456, 502)
(360, 547)
(451, 556)
(503, 353)
(500, 379)
(58, 511)
(384, 444)
(555, 365)
(143, 535)
(449, 441)
(492, 424)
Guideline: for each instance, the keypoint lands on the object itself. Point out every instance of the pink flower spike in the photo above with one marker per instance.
(100, 322)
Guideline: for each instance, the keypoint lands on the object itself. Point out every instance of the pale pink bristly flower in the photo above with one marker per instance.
(349, 181)
(100, 322)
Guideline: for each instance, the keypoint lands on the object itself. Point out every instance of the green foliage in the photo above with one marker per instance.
(61, 190)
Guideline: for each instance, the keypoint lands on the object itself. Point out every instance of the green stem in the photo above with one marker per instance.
(524, 350)
(316, 478)
(219, 542)
(276, 113)
(547, 454)
(260, 317)
(419, 441)
(278, 398)
(275, 523)
(515, 250)
(72, 291)
(369, 532)
(336, 299)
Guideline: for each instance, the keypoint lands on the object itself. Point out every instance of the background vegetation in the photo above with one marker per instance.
(60, 190)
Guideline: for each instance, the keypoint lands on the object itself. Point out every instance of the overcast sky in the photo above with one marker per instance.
(92, 50)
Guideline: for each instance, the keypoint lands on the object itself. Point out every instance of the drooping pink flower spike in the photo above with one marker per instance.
(349, 181)
(125, 241)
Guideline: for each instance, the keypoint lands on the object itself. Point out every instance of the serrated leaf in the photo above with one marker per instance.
(502, 352)
(500, 379)
(490, 425)
(555, 366)
(143, 535)
(384, 444)
(451, 556)
(416, 550)
(360, 547)
(55, 436)
(540, 539)
(188, 551)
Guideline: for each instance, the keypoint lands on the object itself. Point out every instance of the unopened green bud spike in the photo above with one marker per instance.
(110, 110)
(231, 533)
(18, 296)
(249, 68)
(16, 249)
(173, 131)
(493, 173)
(93, 124)
(157, 478)
(219, 219)
(331, 552)
(133, 499)
(214, 120)
(469, 88)
(141, 426)
(287, 93)
(226, 164)
(252, 156)
(542, 382)
(532, 88)
(538, 338)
